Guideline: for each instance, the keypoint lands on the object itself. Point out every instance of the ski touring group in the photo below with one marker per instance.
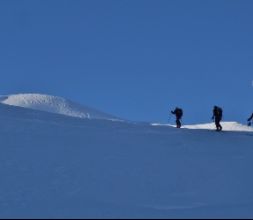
(217, 117)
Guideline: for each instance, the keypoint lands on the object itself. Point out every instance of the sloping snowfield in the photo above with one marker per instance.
(53, 104)
(55, 166)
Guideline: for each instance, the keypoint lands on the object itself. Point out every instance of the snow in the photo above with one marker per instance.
(53, 104)
(55, 166)
(227, 126)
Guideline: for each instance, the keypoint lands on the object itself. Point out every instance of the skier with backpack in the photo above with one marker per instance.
(178, 112)
(250, 120)
(217, 117)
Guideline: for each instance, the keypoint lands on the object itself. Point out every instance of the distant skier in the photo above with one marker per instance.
(179, 113)
(250, 120)
(217, 117)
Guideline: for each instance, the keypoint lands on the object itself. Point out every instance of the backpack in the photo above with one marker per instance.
(179, 112)
(220, 112)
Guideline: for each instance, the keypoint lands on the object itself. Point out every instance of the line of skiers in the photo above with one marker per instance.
(217, 117)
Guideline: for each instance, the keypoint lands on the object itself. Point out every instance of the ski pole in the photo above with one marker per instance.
(182, 121)
(169, 119)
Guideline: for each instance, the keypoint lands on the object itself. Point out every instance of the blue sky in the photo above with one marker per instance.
(135, 59)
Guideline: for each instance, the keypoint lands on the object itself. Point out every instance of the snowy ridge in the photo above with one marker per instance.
(53, 104)
(227, 126)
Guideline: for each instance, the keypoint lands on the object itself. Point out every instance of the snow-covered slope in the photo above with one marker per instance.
(227, 126)
(52, 166)
(53, 104)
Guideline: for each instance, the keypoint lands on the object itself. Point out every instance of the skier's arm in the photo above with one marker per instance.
(251, 117)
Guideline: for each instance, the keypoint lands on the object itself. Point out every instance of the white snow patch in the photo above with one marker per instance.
(53, 104)
(227, 126)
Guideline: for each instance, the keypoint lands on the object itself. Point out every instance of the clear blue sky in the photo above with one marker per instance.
(135, 59)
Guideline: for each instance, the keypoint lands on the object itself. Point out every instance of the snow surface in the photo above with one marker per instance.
(53, 104)
(54, 166)
(227, 126)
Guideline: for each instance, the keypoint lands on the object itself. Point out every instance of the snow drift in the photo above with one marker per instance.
(53, 166)
(53, 104)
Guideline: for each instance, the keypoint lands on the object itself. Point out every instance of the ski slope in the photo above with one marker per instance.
(56, 166)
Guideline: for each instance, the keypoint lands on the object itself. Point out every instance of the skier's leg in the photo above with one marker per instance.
(220, 127)
(178, 123)
(216, 124)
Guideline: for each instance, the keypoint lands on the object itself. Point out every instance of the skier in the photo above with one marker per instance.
(217, 117)
(250, 120)
(179, 113)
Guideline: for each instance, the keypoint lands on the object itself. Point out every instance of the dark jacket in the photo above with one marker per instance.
(217, 113)
(178, 112)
